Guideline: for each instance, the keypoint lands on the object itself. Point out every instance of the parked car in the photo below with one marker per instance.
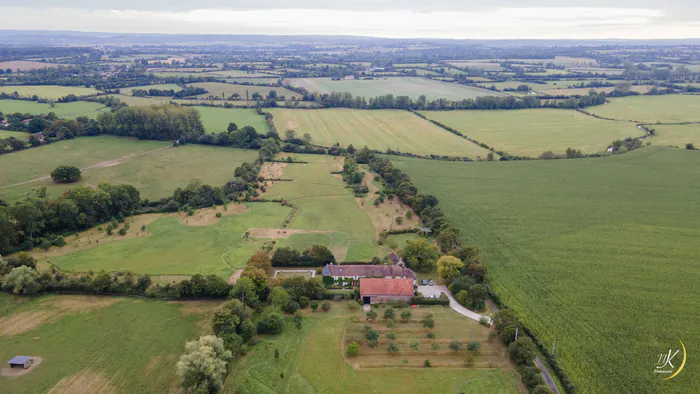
(423, 282)
(430, 282)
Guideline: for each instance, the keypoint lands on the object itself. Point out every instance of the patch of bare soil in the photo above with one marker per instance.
(24, 321)
(21, 371)
(107, 163)
(79, 303)
(337, 163)
(272, 170)
(207, 216)
(84, 382)
(233, 278)
(281, 232)
(384, 215)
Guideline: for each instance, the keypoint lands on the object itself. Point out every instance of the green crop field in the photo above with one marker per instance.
(234, 74)
(378, 129)
(47, 91)
(651, 109)
(614, 279)
(216, 89)
(134, 101)
(97, 344)
(176, 248)
(399, 86)
(676, 135)
(62, 110)
(154, 174)
(484, 65)
(533, 131)
(325, 204)
(216, 119)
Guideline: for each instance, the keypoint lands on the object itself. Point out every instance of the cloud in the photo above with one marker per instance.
(477, 23)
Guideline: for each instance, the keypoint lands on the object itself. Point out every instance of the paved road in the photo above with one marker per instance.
(437, 290)
(545, 372)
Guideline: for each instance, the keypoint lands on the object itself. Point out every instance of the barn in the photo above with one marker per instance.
(21, 362)
(378, 290)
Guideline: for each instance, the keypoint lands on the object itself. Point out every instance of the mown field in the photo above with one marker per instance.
(174, 246)
(217, 89)
(326, 205)
(676, 135)
(216, 119)
(163, 86)
(311, 361)
(155, 174)
(98, 344)
(533, 131)
(22, 65)
(614, 279)
(651, 109)
(377, 129)
(399, 86)
(62, 110)
(16, 134)
(47, 91)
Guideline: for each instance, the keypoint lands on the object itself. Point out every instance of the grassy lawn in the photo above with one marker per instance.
(533, 131)
(176, 248)
(96, 344)
(16, 134)
(399, 86)
(163, 86)
(227, 89)
(325, 204)
(676, 135)
(378, 129)
(613, 280)
(155, 174)
(47, 91)
(62, 110)
(216, 119)
(650, 109)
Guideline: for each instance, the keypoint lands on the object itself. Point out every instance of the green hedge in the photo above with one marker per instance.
(429, 301)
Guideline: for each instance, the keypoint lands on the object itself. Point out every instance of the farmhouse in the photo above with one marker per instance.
(377, 290)
(21, 362)
(367, 271)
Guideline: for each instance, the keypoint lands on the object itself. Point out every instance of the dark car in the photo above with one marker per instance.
(423, 282)
(430, 282)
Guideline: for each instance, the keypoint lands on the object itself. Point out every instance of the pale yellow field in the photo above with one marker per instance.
(676, 135)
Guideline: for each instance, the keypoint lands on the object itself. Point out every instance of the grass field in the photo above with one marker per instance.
(155, 175)
(676, 135)
(378, 129)
(651, 109)
(216, 89)
(234, 74)
(399, 86)
(533, 131)
(98, 344)
(176, 248)
(311, 361)
(216, 119)
(484, 65)
(16, 134)
(62, 110)
(324, 204)
(613, 279)
(584, 91)
(23, 65)
(47, 91)
(163, 86)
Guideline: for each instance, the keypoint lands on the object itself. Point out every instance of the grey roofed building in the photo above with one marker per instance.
(21, 361)
(367, 271)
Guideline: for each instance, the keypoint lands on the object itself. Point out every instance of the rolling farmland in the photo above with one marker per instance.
(652, 109)
(47, 91)
(399, 86)
(216, 119)
(676, 135)
(603, 278)
(533, 131)
(217, 89)
(378, 129)
(62, 110)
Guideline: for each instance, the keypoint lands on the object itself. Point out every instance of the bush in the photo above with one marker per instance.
(122, 231)
(273, 323)
(429, 301)
(65, 174)
(393, 347)
(314, 305)
(326, 306)
(390, 335)
(291, 307)
(353, 349)
(484, 321)
(430, 335)
(435, 346)
(218, 214)
(473, 346)
(426, 364)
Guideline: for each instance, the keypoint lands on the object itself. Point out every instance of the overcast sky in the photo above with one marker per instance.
(495, 19)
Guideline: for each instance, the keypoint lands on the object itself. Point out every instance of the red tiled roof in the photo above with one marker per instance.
(385, 286)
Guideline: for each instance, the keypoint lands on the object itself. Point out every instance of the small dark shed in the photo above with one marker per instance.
(21, 362)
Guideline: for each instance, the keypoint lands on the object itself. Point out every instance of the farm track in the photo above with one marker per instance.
(106, 163)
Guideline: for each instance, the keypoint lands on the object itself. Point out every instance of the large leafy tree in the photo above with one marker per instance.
(420, 255)
(203, 366)
(449, 268)
(66, 174)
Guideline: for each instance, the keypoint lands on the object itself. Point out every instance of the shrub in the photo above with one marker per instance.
(218, 214)
(393, 347)
(474, 346)
(353, 305)
(399, 220)
(326, 306)
(353, 349)
(273, 323)
(414, 345)
(430, 335)
(109, 231)
(426, 364)
(455, 346)
(435, 346)
(391, 323)
(390, 335)
(314, 305)
(66, 174)
(122, 231)
(291, 307)
(484, 321)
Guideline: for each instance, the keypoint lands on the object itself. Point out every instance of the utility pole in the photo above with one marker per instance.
(516, 333)
(554, 345)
